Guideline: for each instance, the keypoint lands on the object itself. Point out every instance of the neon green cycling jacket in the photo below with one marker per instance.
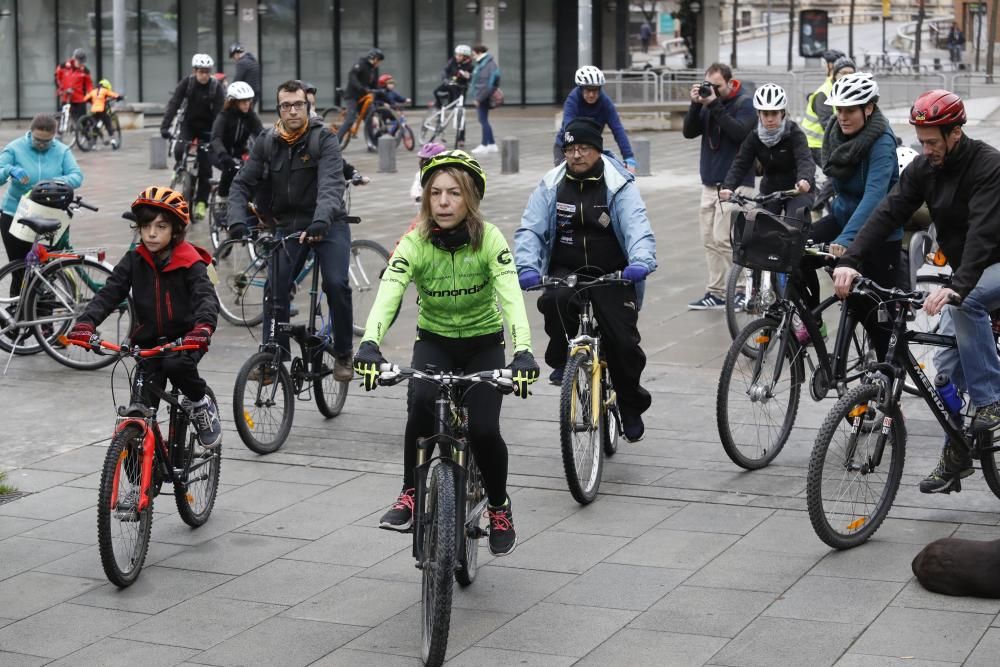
(462, 292)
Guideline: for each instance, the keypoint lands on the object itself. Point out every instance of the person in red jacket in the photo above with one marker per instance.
(73, 82)
(174, 299)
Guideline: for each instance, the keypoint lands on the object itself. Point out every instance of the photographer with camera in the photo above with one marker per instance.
(722, 115)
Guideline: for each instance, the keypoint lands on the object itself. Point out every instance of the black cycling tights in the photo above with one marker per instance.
(468, 355)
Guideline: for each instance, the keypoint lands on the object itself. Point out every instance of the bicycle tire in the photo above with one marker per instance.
(116, 140)
(216, 233)
(431, 128)
(330, 393)
(754, 300)
(240, 288)
(925, 354)
(853, 529)
(19, 340)
(468, 561)
(121, 476)
(576, 416)
(368, 262)
(439, 565)
(78, 280)
(86, 130)
(250, 416)
(611, 426)
(195, 501)
(409, 141)
(989, 461)
(330, 114)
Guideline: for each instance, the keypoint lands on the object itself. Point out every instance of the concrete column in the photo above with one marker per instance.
(709, 26)
(246, 30)
(489, 26)
(118, 37)
(585, 30)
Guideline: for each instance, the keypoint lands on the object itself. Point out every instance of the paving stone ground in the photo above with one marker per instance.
(684, 559)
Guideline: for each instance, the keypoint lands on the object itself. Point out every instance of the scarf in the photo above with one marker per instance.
(288, 136)
(770, 137)
(450, 239)
(843, 154)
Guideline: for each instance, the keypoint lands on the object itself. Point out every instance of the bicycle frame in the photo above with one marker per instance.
(588, 340)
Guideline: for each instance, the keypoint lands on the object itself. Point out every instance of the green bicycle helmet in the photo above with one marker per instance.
(459, 159)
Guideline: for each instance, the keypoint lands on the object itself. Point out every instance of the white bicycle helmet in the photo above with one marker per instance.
(770, 97)
(239, 90)
(202, 61)
(463, 50)
(853, 90)
(905, 155)
(588, 75)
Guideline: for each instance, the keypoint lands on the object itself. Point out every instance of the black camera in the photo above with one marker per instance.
(706, 89)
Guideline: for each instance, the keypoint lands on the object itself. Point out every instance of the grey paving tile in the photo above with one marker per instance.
(280, 641)
(646, 647)
(834, 599)
(858, 660)
(559, 629)
(716, 518)
(91, 481)
(346, 657)
(357, 546)
(80, 528)
(740, 568)
(156, 589)
(15, 525)
(34, 480)
(82, 460)
(87, 562)
(745, 482)
(704, 611)
(506, 590)
(200, 622)
(328, 477)
(785, 641)
(233, 553)
(240, 472)
(263, 496)
(30, 592)
(8, 659)
(62, 629)
(914, 532)
(618, 586)
(171, 529)
(50, 504)
(562, 552)
(883, 561)
(111, 652)
(358, 601)
(307, 520)
(787, 533)
(479, 656)
(986, 651)
(924, 634)
(616, 518)
(362, 495)
(402, 567)
(915, 595)
(674, 549)
(286, 582)
(19, 554)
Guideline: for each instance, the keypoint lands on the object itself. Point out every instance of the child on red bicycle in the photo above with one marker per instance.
(173, 297)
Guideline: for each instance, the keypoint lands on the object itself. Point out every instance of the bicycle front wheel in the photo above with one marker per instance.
(851, 485)
(263, 403)
(86, 133)
(123, 529)
(242, 278)
(19, 340)
(431, 129)
(215, 214)
(116, 133)
(756, 402)
(195, 492)
(409, 141)
(580, 429)
(368, 261)
(330, 393)
(989, 461)
(468, 561)
(438, 565)
(756, 299)
(59, 295)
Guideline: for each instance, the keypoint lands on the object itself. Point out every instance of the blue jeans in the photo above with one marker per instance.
(483, 111)
(974, 366)
(333, 256)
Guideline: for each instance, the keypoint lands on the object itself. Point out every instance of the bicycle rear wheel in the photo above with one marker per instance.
(848, 493)
(122, 529)
(116, 133)
(438, 565)
(86, 133)
(195, 494)
(580, 429)
(215, 215)
(756, 300)
(20, 340)
(468, 562)
(755, 408)
(409, 141)
(59, 295)
(368, 261)
(989, 461)
(263, 403)
(242, 277)
(611, 426)
(330, 393)
(431, 129)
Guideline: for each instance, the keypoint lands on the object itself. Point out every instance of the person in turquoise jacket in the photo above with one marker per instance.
(37, 156)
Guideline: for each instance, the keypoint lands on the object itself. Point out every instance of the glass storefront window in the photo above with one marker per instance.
(8, 31)
(277, 57)
(357, 36)
(130, 86)
(394, 23)
(509, 57)
(35, 56)
(316, 48)
(466, 24)
(198, 22)
(158, 50)
(540, 51)
(432, 46)
(75, 30)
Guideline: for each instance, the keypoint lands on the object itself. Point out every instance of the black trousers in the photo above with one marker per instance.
(181, 369)
(616, 308)
(15, 249)
(466, 355)
(204, 159)
(228, 169)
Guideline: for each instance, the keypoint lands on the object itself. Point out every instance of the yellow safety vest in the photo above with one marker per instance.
(810, 122)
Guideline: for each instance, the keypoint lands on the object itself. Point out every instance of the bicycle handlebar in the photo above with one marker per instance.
(96, 344)
(500, 379)
(864, 285)
(574, 281)
(78, 201)
(779, 195)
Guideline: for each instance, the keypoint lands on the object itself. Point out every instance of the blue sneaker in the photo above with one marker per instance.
(205, 418)
(708, 302)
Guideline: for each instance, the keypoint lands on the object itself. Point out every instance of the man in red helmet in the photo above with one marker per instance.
(959, 179)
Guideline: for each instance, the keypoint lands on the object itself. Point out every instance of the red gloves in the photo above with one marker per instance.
(201, 336)
(81, 332)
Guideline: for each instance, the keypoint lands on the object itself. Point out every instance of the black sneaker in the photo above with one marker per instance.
(632, 427)
(503, 539)
(951, 469)
(556, 376)
(987, 418)
(206, 422)
(343, 369)
(400, 515)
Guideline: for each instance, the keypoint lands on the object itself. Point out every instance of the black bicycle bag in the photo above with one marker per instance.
(767, 242)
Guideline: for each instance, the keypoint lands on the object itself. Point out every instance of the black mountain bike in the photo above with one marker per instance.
(265, 391)
(857, 460)
(449, 502)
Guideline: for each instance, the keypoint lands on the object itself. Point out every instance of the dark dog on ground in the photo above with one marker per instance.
(960, 567)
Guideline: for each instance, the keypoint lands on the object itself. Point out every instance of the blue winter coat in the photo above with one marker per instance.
(55, 163)
(485, 78)
(603, 111)
(858, 195)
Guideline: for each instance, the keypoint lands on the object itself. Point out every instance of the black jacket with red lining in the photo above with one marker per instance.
(169, 301)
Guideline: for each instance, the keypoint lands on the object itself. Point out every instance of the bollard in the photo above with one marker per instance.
(642, 155)
(387, 154)
(510, 155)
(937, 64)
(157, 152)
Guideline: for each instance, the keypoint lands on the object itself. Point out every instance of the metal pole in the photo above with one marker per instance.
(979, 31)
(732, 57)
(883, 35)
(118, 38)
(791, 31)
(850, 32)
(768, 33)
(917, 37)
(990, 45)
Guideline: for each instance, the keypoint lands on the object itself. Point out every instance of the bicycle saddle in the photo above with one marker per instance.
(40, 225)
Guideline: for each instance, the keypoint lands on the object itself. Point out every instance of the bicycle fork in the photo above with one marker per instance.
(148, 454)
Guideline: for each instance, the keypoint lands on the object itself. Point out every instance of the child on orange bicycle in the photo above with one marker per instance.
(173, 297)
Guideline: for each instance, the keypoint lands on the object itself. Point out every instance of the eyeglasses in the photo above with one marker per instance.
(579, 149)
(288, 106)
(40, 142)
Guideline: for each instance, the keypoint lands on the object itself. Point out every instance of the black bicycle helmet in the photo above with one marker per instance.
(235, 48)
(54, 194)
(376, 53)
(833, 55)
(80, 55)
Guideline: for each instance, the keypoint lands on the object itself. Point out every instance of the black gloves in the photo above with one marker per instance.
(525, 372)
(367, 361)
(317, 229)
(164, 133)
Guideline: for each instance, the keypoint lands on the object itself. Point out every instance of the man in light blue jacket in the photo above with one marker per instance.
(587, 217)
(37, 156)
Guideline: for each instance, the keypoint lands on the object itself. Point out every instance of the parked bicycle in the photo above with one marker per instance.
(66, 128)
(449, 502)
(90, 130)
(138, 462)
(335, 117)
(436, 126)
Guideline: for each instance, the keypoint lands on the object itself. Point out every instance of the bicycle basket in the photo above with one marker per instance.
(30, 209)
(767, 242)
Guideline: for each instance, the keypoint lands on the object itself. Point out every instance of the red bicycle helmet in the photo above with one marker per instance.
(167, 199)
(384, 80)
(936, 108)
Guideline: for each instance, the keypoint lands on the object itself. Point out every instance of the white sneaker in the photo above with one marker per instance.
(480, 150)
(492, 148)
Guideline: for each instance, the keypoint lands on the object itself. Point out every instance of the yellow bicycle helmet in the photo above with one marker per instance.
(104, 83)
(456, 158)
